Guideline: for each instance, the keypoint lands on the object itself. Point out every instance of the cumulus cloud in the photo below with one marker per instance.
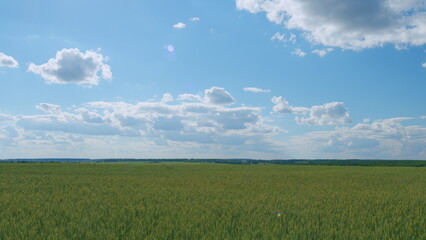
(387, 138)
(256, 90)
(14, 140)
(205, 121)
(179, 25)
(299, 52)
(333, 113)
(349, 24)
(200, 127)
(7, 61)
(194, 19)
(167, 97)
(73, 66)
(322, 52)
(219, 96)
(424, 65)
(189, 97)
(91, 116)
(282, 106)
(191, 118)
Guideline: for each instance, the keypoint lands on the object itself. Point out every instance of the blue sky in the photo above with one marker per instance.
(245, 78)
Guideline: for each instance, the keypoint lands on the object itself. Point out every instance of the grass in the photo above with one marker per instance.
(210, 201)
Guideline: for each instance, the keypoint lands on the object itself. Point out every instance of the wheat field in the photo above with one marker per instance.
(210, 201)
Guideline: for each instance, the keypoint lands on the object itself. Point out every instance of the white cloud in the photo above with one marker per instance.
(76, 122)
(193, 118)
(49, 108)
(350, 24)
(194, 19)
(6, 117)
(202, 129)
(7, 61)
(206, 123)
(10, 131)
(189, 97)
(179, 25)
(292, 38)
(299, 52)
(333, 113)
(73, 66)
(424, 65)
(91, 116)
(219, 96)
(167, 97)
(256, 90)
(400, 47)
(280, 37)
(71, 123)
(382, 139)
(17, 139)
(322, 52)
(282, 106)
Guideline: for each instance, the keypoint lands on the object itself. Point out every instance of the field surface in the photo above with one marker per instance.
(210, 201)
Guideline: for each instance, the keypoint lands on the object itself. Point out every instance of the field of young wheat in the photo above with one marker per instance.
(210, 201)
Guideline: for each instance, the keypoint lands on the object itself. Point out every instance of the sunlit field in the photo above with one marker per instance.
(210, 201)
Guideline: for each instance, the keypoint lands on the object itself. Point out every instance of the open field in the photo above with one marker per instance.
(210, 201)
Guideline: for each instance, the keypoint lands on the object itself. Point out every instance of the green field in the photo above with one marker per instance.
(210, 201)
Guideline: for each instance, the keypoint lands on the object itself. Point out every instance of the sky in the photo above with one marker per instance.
(261, 79)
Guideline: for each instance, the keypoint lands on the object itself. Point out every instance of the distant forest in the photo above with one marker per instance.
(322, 162)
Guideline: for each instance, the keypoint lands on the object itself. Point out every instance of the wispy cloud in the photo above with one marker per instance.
(190, 97)
(194, 19)
(299, 52)
(256, 90)
(322, 52)
(280, 37)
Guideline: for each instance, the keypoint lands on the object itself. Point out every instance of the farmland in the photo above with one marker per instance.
(210, 201)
